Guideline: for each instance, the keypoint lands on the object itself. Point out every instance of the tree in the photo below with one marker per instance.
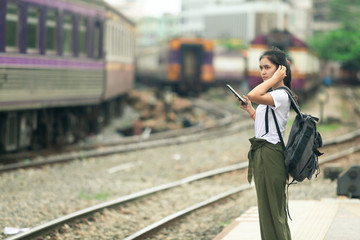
(342, 44)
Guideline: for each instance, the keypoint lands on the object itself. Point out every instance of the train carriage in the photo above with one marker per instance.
(184, 63)
(39, 73)
(120, 51)
(229, 67)
(119, 48)
(305, 66)
(57, 81)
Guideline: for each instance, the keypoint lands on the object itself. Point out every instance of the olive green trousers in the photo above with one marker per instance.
(267, 164)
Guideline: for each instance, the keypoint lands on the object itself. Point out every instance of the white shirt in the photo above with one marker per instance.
(281, 108)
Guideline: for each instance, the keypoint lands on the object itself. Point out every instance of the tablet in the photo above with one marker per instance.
(243, 101)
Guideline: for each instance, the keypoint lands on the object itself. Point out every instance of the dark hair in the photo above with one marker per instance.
(278, 57)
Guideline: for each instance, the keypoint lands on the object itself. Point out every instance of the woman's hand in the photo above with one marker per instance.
(280, 73)
(246, 107)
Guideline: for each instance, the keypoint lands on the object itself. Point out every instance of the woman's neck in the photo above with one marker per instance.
(280, 84)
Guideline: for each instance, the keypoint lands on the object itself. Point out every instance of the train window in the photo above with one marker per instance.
(122, 41)
(133, 46)
(109, 39)
(127, 42)
(117, 44)
(82, 37)
(112, 49)
(67, 40)
(11, 26)
(51, 31)
(128, 49)
(32, 29)
(114, 36)
(97, 37)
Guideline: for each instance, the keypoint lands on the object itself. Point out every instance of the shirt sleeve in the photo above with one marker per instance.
(280, 98)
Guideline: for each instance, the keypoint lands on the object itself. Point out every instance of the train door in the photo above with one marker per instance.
(191, 57)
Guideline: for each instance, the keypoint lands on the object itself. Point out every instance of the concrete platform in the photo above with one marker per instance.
(328, 219)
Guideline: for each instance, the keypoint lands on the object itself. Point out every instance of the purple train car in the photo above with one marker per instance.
(65, 68)
(305, 65)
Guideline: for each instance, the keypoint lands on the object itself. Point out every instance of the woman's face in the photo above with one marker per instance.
(267, 68)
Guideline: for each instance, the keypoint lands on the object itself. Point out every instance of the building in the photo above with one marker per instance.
(321, 17)
(234, 19)
(244, 19)
(154, 30)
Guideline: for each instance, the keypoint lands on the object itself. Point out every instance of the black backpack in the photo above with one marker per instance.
(301, 151)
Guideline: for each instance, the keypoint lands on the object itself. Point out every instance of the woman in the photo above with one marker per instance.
(266, 158)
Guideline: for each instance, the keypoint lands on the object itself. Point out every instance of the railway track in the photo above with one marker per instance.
(335, 149)
(349, 143)
(225, 123)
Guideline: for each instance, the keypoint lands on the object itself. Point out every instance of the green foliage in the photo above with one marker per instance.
(225, 224)
(322, 128)
(97, 196)
(342, 44)
(346, 12)
(231, 44)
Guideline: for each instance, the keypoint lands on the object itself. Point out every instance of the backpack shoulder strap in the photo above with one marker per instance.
(294, 103)
(266, 121)
(278, 130)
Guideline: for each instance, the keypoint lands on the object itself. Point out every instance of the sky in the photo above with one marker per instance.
(154, 8)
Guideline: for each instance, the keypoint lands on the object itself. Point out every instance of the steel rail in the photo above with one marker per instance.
(151, 229)
(50, 225)
(43, 228)
(36, 231)
(155, 227)
(191, 134)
